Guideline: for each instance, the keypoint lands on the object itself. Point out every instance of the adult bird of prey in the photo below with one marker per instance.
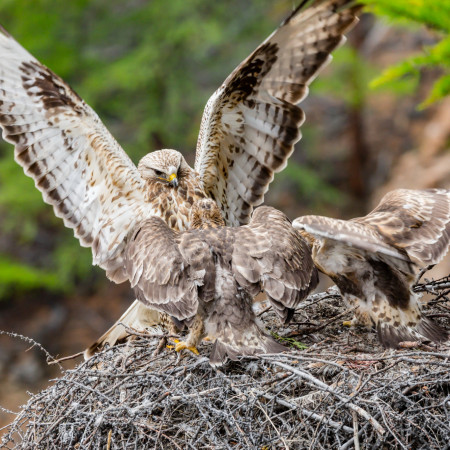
(248, 131)
(208, 276)
(373, 259)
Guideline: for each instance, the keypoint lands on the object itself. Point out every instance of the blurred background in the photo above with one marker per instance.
(375, 121)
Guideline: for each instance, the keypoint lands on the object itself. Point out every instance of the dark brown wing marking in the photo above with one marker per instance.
(250, 124)
(417, 221)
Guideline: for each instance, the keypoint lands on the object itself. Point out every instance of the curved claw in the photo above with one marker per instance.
(184, 346)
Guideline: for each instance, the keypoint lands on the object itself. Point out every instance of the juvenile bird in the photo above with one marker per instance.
(374, 259)
(207, 277)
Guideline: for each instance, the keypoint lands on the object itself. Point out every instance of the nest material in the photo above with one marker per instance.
(342, 391)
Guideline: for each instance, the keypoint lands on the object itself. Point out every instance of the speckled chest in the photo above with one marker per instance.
(173, 205)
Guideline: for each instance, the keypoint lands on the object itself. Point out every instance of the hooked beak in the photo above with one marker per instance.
(173, 181)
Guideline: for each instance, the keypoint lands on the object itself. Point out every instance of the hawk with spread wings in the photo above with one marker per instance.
(248, 131)
(207, 277)
(373, 259)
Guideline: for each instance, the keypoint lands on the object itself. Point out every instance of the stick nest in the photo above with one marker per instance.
(341, 391)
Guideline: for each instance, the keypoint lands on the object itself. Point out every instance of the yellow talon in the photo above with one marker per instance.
(347, 323)
(183, 346)
(176, 341)
(170, 346)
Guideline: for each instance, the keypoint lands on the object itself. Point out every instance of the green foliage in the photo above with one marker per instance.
(290, 341)
(433, 14)
(310, 184)
(350, 77)
(16, 277)
(18, 195)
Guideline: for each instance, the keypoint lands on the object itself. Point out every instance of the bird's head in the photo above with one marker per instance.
(206, 214)
(163, 166)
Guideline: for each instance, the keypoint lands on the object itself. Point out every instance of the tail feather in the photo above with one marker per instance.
(425, 329)
(137, 316)
(222, 351)
(397, 324)
(432, 331)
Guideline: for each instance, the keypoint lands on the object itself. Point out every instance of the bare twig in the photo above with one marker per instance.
(322, 326)
(33, 342)
(66, 358)
(355, 430)
(307, 376)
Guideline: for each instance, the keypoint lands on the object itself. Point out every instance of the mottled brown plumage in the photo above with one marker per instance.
(207, 277)
(373, 259)
(248, 131)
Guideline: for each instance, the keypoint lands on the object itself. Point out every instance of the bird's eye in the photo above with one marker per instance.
(159, 173)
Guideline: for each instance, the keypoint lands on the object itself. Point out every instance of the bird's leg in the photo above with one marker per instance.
(360, 317)
(194, 337)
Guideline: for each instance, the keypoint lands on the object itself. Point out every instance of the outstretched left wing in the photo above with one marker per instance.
(269, 254)
(251, 123)
(74, 161)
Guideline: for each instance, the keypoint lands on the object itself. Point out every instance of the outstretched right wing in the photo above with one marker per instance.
(75, 162)
(251, 123)
(269, 254)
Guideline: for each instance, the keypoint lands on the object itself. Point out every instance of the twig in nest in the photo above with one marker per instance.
(308, 413)
(65, 358)
(322, 326)
(264, 311)
(433, 286)
(423, 271)
(161, 345)
(273, 425)
(331, 292)
(134, 332)
(33, 342)
(355, 430)
(307, 376)
(108, 444)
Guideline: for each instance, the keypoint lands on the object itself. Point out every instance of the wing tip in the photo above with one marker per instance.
(294, 12)
(5, 32)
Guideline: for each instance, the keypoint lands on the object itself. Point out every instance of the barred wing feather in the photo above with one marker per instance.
(251, 123)
(75, 162)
